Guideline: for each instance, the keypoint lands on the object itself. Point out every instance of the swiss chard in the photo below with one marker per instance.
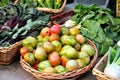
(98, 25)
(21, 22)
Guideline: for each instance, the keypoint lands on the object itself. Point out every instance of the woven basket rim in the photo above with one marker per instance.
(74, 73)
(99, 73)
(6, 49)
(53, 10)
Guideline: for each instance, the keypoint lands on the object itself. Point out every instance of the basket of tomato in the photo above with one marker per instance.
(58, 53)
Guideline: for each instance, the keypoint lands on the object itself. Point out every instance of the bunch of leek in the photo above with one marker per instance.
(113, 63)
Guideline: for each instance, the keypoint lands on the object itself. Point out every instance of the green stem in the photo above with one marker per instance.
(109, 56)
(118, 61)
(117, 55)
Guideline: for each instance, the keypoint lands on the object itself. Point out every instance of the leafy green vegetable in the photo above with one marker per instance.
(98, 25)
(19, 21)
(29, 3)
(90, 29)
(5, 2)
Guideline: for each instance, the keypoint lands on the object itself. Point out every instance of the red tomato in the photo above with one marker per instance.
(24, 50)
(64, 60)
(54, 58)
(55, 29)
(35, 65)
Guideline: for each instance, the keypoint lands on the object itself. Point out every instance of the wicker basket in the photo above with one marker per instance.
(99, 68)
(53, 10)
(8, 54)
(69, 75)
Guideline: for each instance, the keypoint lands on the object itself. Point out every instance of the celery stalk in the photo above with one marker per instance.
(49, 3)
(41, 3)
(57, 4)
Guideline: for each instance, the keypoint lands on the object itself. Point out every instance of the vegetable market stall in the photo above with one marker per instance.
(16, 72)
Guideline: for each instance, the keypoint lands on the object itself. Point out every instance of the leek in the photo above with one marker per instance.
(113, 63)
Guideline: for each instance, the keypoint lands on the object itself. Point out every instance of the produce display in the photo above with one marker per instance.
(60, 48)
(113, 62)
(19, 21)
(97, 24)
(57, 49)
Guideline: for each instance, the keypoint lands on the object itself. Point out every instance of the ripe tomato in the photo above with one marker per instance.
(54, 58)
(35, 65)
(45, 32)
(55, 29)
(54, 37)
(64, 60)
(24, 50)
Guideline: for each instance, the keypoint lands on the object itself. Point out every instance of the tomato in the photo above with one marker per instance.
(40, 54)
(54, 58)
(29, 58)
(71, 53)
(24, 50)
(55, 29)
(72, 65)
(81, 63)
(60, 69)
(48, 47)
(80, 39)
(45, 32)
(49, 70)
(54, 37)
(35, 65)
(43, 64)
(57, 45)
(64, 60)
(88, 49)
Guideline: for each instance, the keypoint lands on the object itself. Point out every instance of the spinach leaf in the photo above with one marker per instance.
(98, 25)
(90, 28)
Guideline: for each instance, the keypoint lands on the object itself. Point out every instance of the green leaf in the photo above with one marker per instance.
(105, 45)
(90, 28)
(100, 36)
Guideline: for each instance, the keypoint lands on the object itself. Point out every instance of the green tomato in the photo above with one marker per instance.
(87, 48)
(60, 69)
(39, 38)
(42, 65)
(57, 45)
(71, 40)
(64, 49)
(29, 58)
(71, 53)
(29, 42)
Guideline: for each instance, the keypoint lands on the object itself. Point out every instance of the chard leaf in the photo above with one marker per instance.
(111, 34)
(105, 46)
(100, 36)
(89, 28)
